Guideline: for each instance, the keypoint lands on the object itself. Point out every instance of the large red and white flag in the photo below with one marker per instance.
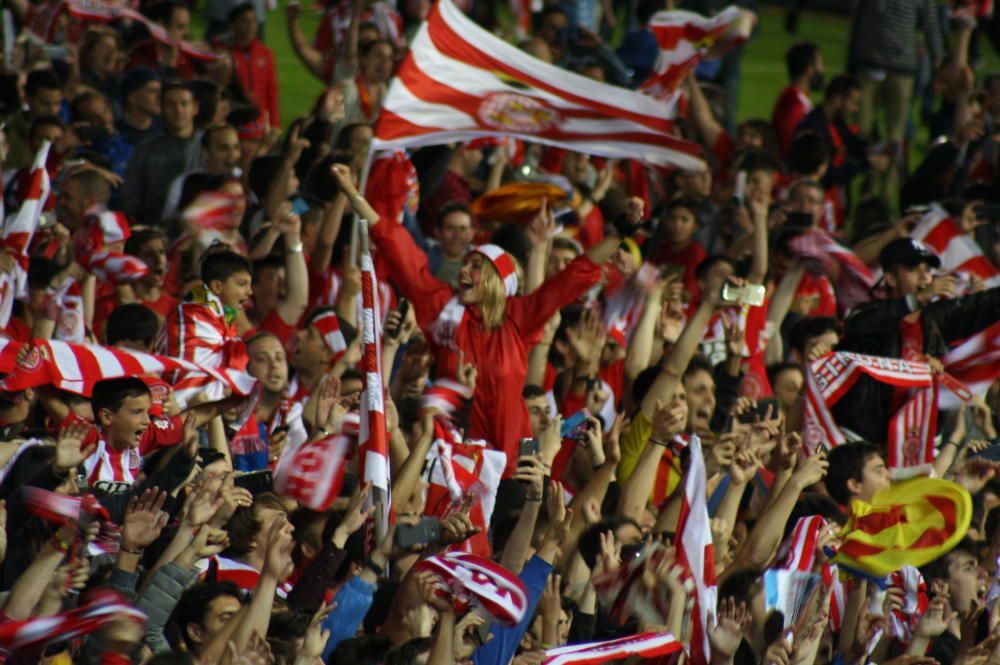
(461, 82)
(686, 38)
(823, 255)
(696, 553)
(17, 235)
(373, 441)
(958, 252)
(313, 473)
(975, 363)
(77, 367)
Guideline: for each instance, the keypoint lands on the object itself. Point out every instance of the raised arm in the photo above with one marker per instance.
(294, 305)
(701, 114)
(310, 56)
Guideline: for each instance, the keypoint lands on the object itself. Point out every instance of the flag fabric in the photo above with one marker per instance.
(975, 363)
(61, 508)
(458, 472)
(911, 430)
(18, 232)
(626, 594)
(685, 38)
(103, 227)
(823, 255)
(108, 606)
(644, 645)
(958, 252)
(910, 523)
(100, 11)
(201, 331)
(373, 441)
(460, 82)
(696, 553)
(393, 186)
(476, 580)
(77, 367)
(116, 267)
(313, 473)
(213, 211)
(447, 396)
(903, 621)
(799, 551)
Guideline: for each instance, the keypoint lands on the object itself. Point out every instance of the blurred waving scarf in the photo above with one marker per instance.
(644, 645)
(477, 581)
(911, 523)
(17, 234)
(104, 227)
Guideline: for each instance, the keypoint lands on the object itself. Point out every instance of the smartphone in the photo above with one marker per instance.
(751, 294)
(529, 446)
(255, 482)
(991, 452)
(404, 309)
(424, 532)
(760, 410)
(575, 425)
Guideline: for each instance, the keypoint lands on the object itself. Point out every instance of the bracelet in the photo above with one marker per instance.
(295, 249)
(659, 442)
(121, 548)
(530, 500)
(375, 568)
(58, 545)
(951, 443)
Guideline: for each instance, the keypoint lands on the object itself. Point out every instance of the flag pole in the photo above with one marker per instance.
(362, 183)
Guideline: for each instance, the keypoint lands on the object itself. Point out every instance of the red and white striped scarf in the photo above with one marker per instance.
(975, 363)
(458, 471)
(911, 432)
(644, 645)
(313, 473)
(446, 326)
(198, 332)
(17, 235)
(798, 552)
(476, 580)
(222, 569)
(903, 622)
(447, 396)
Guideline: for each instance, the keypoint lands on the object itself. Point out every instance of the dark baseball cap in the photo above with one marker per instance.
(907, 252)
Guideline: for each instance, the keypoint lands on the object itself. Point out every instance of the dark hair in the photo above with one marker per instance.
(701, 270)
(346, 329)
(799, 58)
(263, 170)
(177, 85)
(239, 9)
(83, 98)
(841, 85)
(814, 503)
(809, 327)
(110, 394)
(741, 585)
(206, 137)
(531, 391)
(41, 79)
(589, 544)
(364, 650)
(450, 207)
(163, 11)
(809, 151)
(685, 202)
(872, 215)
(775, 370)
(140, 237)
(171, 659)
(847, 462)
(92, 184)
(758, 160)
(132, 322)
(45, 121)
(345, 134)
(41, 272)
(199, 182)
(206, 93)
(698, 363)
(409, 652)
(269, 261)
(938, 568)
(223, 265)
(192, 607)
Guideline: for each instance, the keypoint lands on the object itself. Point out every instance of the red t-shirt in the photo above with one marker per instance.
(688, 258)
(792, 106)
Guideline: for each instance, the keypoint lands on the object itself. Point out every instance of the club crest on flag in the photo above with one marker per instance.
(517, 113)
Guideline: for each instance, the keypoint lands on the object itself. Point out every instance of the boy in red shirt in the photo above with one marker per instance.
(805, 73)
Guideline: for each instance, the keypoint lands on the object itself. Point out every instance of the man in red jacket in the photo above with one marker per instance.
(254, 62)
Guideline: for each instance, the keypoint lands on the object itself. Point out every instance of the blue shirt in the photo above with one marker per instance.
(501, 648)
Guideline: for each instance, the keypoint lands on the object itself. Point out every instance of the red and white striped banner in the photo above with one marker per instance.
(643, 645)
(314, 472)
(958, 252)
(975, 363)
(696, 552)
(18, 233)
(373, 440)
(106, 12)
(77, 367)
(686, 38)
(461, 82)
(199, 332)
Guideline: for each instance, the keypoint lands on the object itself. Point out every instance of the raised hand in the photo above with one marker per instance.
(531, 473)
(811, 470)
(278, 562)
(457, 528)
(466, 372)
(355, 515)
(316, 636)
(726, 632)
(69, 450)
(669, 419)
(144, 520)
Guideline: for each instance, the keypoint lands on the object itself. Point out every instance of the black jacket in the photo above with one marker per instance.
(873, 329)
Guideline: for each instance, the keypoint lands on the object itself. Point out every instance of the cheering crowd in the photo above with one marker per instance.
(520, 347)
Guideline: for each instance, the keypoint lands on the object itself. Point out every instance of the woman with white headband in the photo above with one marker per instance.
(485, 320)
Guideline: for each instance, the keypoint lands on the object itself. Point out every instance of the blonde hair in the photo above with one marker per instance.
(493, 306)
